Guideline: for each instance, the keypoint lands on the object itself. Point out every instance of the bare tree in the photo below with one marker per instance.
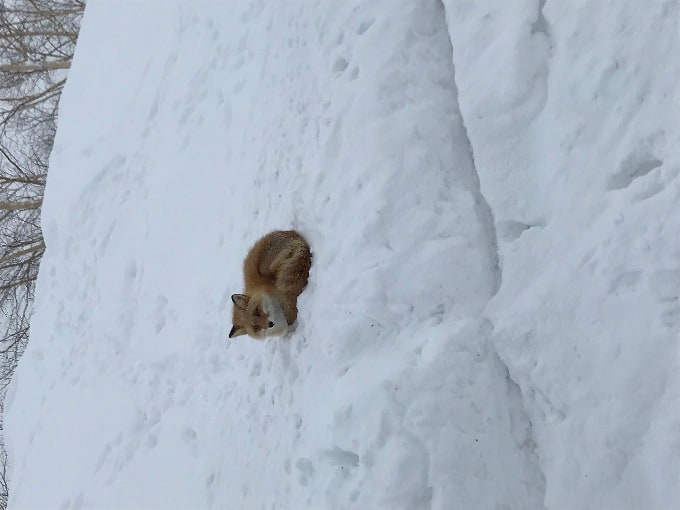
(37, 41)
(4, 489)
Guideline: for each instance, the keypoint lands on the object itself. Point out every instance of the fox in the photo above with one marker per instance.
(275, 273)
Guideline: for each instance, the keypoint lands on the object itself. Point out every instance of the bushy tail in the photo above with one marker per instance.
(295, 262)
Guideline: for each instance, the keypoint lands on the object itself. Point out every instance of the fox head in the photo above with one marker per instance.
(257, 316)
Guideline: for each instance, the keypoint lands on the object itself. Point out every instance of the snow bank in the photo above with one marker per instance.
(492, 315)
(573, 113)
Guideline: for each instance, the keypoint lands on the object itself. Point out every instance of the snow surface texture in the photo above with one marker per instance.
(491, 192)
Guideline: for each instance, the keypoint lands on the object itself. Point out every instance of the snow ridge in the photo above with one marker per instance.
(571, 128)
(521, 422)
(482, 209)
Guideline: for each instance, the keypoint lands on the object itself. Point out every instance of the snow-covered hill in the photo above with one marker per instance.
(490, 191)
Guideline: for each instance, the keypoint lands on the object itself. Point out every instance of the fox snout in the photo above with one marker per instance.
(259, 316)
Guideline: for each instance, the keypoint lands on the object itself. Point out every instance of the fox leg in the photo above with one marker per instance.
(290, 308)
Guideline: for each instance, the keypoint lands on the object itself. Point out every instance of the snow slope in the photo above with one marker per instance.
(578, 157)
(489, 190)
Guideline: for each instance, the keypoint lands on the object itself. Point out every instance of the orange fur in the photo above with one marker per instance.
(275, 271)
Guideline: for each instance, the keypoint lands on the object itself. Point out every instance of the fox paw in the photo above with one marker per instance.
(292, 328)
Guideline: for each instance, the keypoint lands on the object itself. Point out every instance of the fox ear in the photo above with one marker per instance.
(240, 300)
(236, 331)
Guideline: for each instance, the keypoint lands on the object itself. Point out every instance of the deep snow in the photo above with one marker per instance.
(490, 191)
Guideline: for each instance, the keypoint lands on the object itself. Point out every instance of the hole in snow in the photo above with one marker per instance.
(510, 230)
(340, 65)
(633, 167)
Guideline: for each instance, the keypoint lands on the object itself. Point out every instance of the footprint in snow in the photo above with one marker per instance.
(364, 26)
(340, 65)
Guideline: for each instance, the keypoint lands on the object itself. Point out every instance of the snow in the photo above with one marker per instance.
(492, 319)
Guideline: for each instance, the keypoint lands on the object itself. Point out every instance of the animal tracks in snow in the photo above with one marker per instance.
(365, 25)
(305, 470)
(665, 285)
(340, 65)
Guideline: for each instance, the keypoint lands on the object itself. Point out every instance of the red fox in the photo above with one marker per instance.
(275, 273)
